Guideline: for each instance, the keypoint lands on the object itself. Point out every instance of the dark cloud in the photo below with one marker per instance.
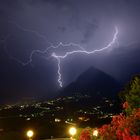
(62, 29)
(89, 31)
(89, 23)
(11, 5)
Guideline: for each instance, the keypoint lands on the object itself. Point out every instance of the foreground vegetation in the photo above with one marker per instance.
(125, 126)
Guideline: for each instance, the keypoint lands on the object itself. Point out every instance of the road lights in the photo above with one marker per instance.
(30, 134)
(95, 133)
(72, 131)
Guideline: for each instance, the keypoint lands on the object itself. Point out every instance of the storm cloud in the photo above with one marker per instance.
(35, 24)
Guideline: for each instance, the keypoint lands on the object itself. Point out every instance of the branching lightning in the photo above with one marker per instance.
(59, 57)
(54, 55)
(59, 72)
(33, 52)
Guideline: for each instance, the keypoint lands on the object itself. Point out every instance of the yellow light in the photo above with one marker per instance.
(72, 131)
(95, 133)
(30, 133)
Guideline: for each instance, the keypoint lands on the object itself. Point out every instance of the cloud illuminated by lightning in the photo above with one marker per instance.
(33, 52)
(59, 57)
(54, 55)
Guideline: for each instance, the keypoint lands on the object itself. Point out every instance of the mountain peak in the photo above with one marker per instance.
(92, 81)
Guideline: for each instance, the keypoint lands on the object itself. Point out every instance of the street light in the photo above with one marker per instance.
(95, 133)
(30, 134)
(72, 131)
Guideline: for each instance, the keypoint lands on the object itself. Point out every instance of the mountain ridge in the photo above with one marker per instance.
(91, 82)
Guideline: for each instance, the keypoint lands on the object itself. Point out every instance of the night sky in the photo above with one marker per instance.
(27, 25)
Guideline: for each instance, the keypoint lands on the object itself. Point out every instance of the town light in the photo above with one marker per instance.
(30, 134)
(72, 131)
(95, 133)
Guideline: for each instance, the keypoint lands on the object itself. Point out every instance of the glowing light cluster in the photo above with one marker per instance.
(30, 133)
(72, 131)
(95, 133)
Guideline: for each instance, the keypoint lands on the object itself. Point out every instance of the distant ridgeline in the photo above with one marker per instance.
(93, 82)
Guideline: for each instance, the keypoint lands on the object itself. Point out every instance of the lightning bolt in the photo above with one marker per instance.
(47, 49)
(59, 72)
(59, 57)
(33, 52)
(54, 55)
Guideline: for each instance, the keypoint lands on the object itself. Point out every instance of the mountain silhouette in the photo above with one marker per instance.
(92, 82)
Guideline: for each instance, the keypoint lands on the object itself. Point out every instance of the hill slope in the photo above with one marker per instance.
(92, 82)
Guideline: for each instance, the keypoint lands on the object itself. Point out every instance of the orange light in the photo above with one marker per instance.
(30, 133)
